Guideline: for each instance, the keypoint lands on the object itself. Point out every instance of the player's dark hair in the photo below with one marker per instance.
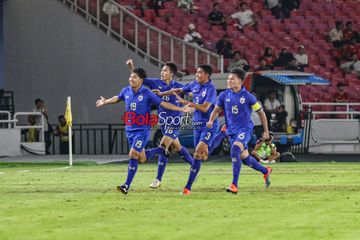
(239, 73)
(242, 4)
(38, 100)
(215, 4)
(206, 68)
(172, 66)
(348, 23)
(60, 116)
(140, 72)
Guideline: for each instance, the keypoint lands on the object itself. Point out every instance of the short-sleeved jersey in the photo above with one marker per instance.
(237, 109)
(202, 93)
(155, 83)
(138, 104)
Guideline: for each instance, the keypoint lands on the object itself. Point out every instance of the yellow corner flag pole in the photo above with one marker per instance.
(68, 117)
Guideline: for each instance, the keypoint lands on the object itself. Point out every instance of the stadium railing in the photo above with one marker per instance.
(95, 139)
(153, 44)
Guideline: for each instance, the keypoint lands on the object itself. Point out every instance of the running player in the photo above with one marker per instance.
(237, 104)
(138, 101)
(168, 119)
(203, 93)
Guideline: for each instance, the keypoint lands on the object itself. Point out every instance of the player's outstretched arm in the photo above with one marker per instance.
(130, 64)
(103, 101)
(173, 107)
(214, 115)
(263, 120)
(170, 92)
(202, 107)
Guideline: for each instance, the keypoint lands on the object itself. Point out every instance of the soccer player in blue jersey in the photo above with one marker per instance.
(237, 104)
(203, 93)
(138, 101)
(169, 121)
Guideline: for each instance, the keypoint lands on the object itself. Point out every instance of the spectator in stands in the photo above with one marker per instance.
(340, 96)
(187, 5)
(348, 32)
(193, 37)
(224, 47)
(156, 5)
(269, 57)
(216, 17)
(142, 5)
(265, 150)
(275, 113)
(274, 6)
(284, 58)
(245, 16)
(110, 9)
(352, 66)
(263, 66)
(350, 49)
(40, 107)
(238, 62)
(293, 65)
(335, 35)
(302, 58)
(287, 6)
(32, 134)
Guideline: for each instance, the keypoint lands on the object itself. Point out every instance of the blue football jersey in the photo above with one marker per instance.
(156, 83)
(237, 109)
(202, 93)
(138, 107)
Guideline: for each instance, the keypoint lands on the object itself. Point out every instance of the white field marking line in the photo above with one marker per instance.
(45, 170)
(114, 160)
(2, 173)
(55, 169)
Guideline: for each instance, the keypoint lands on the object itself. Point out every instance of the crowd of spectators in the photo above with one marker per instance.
(346, 43)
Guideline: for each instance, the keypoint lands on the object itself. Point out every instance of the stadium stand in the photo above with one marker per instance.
(307, 26)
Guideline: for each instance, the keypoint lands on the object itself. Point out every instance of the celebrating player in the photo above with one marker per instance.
(138, 101)
(203, 93)
(237, 104)
(170, 129)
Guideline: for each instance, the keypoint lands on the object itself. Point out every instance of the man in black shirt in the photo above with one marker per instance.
(216, 17)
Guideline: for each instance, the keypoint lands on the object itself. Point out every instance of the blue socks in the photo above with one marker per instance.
(185, 153)
(216, 141)
(162, 161)
(150, 153)
(133, 166)
(251, 162)
(194, 170)
(236, 163)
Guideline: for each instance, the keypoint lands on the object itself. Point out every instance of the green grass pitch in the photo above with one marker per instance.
(305, 201)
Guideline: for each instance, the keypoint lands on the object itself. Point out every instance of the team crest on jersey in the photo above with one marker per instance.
(141, 97)
(126, 96)
(160, 87)
(242, 100)
(227, 100)
(203, 93)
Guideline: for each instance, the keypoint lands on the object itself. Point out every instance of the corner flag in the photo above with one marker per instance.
(68, 117)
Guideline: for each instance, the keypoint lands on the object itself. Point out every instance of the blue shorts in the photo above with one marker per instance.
(205, 135)
(243, 136)
(171, 132)
(137, 139)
